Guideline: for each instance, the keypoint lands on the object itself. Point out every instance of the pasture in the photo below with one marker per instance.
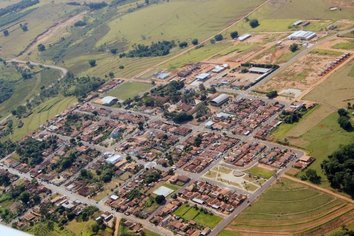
(291, 208)
(129, 90)
(25, 89)
(278, 16)
(18, 39)
(172, 21)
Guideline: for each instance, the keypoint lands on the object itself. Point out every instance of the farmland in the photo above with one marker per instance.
(288, 208)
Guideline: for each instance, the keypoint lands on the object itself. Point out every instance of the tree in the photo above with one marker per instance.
(183, 44)
(182, 117)
(342, 112)
(195, 42)
(313, 176)
(114, 51)
(272, 94)
(218, 37)
(25, 197)
(293, 47)
(254, 23)
(6, 33)
(95, 228)
(41, 47)
(160, 199)
(92, 62)
(234, 35)
(339, 169)
(345, 123)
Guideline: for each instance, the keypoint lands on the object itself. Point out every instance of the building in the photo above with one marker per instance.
(113, 159)
(298, 22)
(218, 69)
(244, 37)
(302, 35)
(109, 100)
(219, 100)
(259, 70)
(202, 76)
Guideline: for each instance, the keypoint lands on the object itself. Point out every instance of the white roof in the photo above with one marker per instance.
(197, 200)
(221, 98)
(244, 37)
(302, 34)
(202, 76)
(218, 69)
(108, 99)
(259, 70)
(164, 191)
(113, 159)
(223, 115)
(209, 123)
(114, 197)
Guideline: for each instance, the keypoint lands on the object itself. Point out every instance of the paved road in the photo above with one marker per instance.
(73, 197)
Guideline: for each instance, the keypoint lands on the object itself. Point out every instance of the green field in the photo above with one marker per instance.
(289, 208)
(277, 16)
(129, 90)
(41, 114)
(172, 21)
(261, 172)
(190, 213)
(348, 45)
(318, 132)
(18, 40)
(25, 89)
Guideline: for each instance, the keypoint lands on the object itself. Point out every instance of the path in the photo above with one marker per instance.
(337, 195)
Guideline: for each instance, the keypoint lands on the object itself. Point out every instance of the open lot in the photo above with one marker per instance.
(290, 208)
(129, 90)
(188, 212)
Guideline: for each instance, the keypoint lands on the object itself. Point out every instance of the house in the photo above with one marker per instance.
(109, 100)
(298, 22)
(219, 100)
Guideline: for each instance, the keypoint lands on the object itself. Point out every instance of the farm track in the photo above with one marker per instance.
(337, 195)
(49, 31)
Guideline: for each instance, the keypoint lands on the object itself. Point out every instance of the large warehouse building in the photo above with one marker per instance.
(302, 35)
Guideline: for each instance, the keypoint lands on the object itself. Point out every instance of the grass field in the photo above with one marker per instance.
(290, 208)
(318, 132)
(190, 213)
(172, 20)
(260, 172)
(129, 90)
(25, 89)
(41, 114)
(18, 40)
(348, 45)
(277, 16)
